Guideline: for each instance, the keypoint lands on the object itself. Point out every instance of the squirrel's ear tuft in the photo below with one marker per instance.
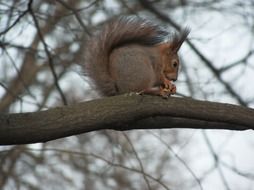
(178, 39)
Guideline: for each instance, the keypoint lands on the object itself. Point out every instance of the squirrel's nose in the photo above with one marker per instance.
(173, 79)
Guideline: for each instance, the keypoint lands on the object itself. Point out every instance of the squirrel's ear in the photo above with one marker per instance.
(178, 39)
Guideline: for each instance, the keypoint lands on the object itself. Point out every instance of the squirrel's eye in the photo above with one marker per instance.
(175, 64)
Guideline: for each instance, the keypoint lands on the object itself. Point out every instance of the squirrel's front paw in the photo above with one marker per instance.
(167, 89)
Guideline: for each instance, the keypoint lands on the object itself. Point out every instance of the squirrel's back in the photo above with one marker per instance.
(120, 32)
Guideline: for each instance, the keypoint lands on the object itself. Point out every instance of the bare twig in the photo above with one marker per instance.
(75, 12)
(240, 173)
(244, 59)
(15, 22)
(139, 160)
(83, 154)
(50, 60)
(216, 160)
(180, 160)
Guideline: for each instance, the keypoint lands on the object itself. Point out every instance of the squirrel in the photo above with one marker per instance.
(130, 54)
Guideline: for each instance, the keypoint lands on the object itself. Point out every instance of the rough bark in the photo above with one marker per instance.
(124, 112)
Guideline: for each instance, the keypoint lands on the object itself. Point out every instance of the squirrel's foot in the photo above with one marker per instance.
(142, 92)
(132, 93)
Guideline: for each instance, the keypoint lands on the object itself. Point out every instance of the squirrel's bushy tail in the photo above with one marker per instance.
(120, 31)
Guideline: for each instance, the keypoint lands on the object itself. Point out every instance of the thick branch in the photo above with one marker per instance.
(122, 113)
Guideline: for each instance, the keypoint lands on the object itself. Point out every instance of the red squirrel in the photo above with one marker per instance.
(130, 54)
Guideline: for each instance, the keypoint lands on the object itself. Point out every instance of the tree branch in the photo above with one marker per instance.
(47, 51)
(124, 112)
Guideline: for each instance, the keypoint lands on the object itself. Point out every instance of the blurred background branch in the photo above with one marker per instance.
(40, 54)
